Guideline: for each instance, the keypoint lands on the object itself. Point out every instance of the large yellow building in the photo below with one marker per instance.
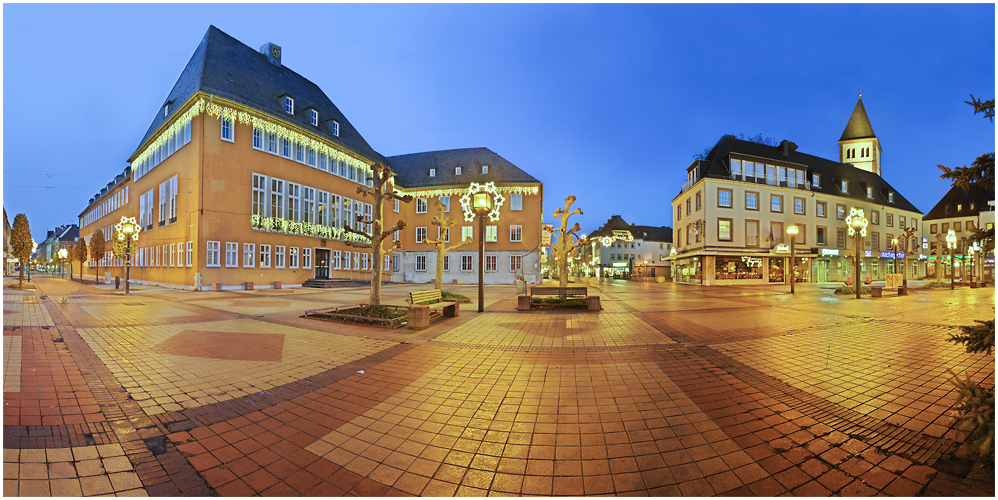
(249, 173)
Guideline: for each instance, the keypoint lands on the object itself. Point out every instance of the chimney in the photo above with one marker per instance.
(787, 147)
(273, 53)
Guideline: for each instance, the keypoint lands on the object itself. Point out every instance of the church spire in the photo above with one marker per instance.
(859, 124)
(859, 145)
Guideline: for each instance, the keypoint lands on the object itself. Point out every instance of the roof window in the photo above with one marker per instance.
(485, 169)
(845, 186)
(890, 197)
(289, 105)
(869, 192)
(457, 170)
(433, 172)
(314, 117)
(335, 126)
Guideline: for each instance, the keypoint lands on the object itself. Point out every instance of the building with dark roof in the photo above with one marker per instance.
(248, 172)
(55, 240)
(732, 213)
(620, 249)
(963, 212)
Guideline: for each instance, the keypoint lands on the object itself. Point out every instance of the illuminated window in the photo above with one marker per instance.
(724, 229)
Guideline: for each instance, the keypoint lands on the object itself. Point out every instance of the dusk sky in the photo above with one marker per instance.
(605, 102)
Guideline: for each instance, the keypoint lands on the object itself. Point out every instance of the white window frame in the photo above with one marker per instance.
(231, 254)
(445, 200)
(228, 129)
(491, 234)
(421, 263)
(189, 253)
(516, 233)
(516, 201)
(421, 205)
(356, 261)
(249, 255)
(212, 250)
(306, 258)
(279, 254)
(485, 169)
(335, 127)
(491, 263)
(515, 263)
(337, 260)
(433, 172)
(457, 170)
(420, 235)
(264, 256)
(289, 105)
(314, 117)
(467, 263)
(467, 232)
(292, 257)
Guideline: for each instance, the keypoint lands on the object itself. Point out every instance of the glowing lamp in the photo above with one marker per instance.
(951, 239)
(793, 230)
(63, 253)
(856, 221)
(483, 203)
(128, 227)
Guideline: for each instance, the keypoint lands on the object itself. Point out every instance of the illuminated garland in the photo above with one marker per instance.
(489, 188)
(299, 228)
(618, 234)
(856, 215)
(218, 111)
(425, 193)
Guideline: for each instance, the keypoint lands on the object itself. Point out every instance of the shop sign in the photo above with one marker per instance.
(922, 257)
(782, 248)
(752, 261)
(619, 264)
(868, 253)
(829, 251)
(891, 255)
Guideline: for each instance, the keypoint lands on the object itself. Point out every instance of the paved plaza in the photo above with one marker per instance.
(670, 390)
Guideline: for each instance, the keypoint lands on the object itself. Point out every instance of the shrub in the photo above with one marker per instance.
(975, 404)
(455, 296)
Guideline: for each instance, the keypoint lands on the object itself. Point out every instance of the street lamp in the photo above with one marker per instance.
(857, 226)
(971, 250)
(951, 244)
(894, 244)
(63, 253)
(128, 230)
(482, 200)
(792, 231)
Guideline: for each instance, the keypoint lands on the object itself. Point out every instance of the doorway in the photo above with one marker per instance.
(322, 263)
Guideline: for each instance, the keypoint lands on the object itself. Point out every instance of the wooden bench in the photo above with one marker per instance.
(537, 293)
(425, 304)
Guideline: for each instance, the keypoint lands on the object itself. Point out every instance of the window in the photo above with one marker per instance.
(420, 263)
(770, 175)
(306, 258)
(420, 205)
(289, 105)
(724, 197)
(801, 237)
(752, 201)
(457, 170)
(308, 205)
(875, 217)
(890, 197)
(698, 201)
(776, 232)
(799, 206)
(259, 195)
(337, 259)
(396, 206)
(724, 229)
(190, 251)
(515, 233)
(515, 262)
(272, 142)
(956, 226)
(751, 233)
(914, 223)
(231, 254)
(173, 255)
(467, 263)
(875, 242)
(313, 117)
(932, 228)
(845, 186)
(445, 200)
(467, 232)
(491, 234)
(816, 180)
(264, 256)
(286, 147)
(294, 202)
(227, 129)
(490, 263)
(356, 261)
(890, 220)
(840, 238)
(446, 263)
(840, 211)
(970, 225)
(775, 203)
(902, 221)
(433, 172)
(211, 256)
(335, 127)
(819, 209)
(485, 169)
(276, 198)
(516, 201)
(346, 261)
(688, 206)
(292, 257)
(299, 152)
(420, 235)
(736, 168)
(869, 192)
(821, 235)
(249, 252)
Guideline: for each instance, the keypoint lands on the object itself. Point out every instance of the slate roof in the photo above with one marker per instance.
(413, 170)
(956, 196)
(859, 126)
(717, 165)
(646, 233)
(225, 67)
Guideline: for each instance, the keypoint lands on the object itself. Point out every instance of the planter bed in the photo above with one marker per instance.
(348, 314)
(559, 304)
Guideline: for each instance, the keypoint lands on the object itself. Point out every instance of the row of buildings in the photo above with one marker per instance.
(248, 173)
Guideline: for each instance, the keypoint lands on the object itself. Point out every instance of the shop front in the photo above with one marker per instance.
(689, 270)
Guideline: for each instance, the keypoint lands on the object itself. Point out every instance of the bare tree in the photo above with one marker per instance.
(568, 239)
(444, 222)
(380, 191)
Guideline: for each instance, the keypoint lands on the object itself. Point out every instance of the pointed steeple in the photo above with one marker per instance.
(859, 124)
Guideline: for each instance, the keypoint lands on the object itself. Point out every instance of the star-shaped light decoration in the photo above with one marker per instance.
(488, 187)
(134, 228)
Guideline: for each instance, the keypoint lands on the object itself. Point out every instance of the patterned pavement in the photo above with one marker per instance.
(669, 390)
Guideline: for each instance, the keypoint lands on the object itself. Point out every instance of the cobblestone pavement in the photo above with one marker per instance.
(669, 390)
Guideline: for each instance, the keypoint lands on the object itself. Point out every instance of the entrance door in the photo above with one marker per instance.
(822, 270)
(322, 263)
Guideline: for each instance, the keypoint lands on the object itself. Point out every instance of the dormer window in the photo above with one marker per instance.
(845, 186)
(335, 126)
(314, 117)
(457, 170)
(959, 206)
(485, 169)
(817, 180)
(869, 192)
(166, 109)
(948, 208)
(890, 197)
(971, 205)
(289, 105)
(433, 172)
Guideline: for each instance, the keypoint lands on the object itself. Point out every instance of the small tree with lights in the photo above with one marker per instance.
(118, 244)
(380, 191)
(80, 253)
(568, 239)
(21, 244)
(97, 246)
(444, 222)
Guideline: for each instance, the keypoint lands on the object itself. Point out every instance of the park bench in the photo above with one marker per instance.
(425, 304)
(538, 294)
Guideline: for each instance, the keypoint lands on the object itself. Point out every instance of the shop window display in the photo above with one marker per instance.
(737, 268)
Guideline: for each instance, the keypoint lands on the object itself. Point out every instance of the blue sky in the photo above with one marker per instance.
(605, 102)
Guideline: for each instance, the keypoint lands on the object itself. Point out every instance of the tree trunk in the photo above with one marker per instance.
(440, 268)
(20, 278)
(563, 272)
(376, 237)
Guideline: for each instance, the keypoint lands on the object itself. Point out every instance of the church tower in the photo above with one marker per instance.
(858, 144)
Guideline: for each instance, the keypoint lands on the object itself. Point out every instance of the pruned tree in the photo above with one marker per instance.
(21, 243)
(79, 253)
(444, 222)
(97, 245)
(568, 239)
(380, 191)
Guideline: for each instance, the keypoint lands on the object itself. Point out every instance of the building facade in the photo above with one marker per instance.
(963, 212)
(732, 213)
(55, 240)
(248, 173)
(619, 249)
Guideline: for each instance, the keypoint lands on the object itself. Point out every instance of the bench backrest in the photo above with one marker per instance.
(425, 296)
(558, 290)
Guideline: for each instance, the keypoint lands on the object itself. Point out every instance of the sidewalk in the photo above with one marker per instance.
(669, 390)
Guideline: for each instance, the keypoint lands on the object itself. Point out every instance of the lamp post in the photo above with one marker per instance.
(128, 230)
(857, 226)
(950, 245)
(792, 231)
(971, 250)
(63, 253)
(894, 244)
(481, 200)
